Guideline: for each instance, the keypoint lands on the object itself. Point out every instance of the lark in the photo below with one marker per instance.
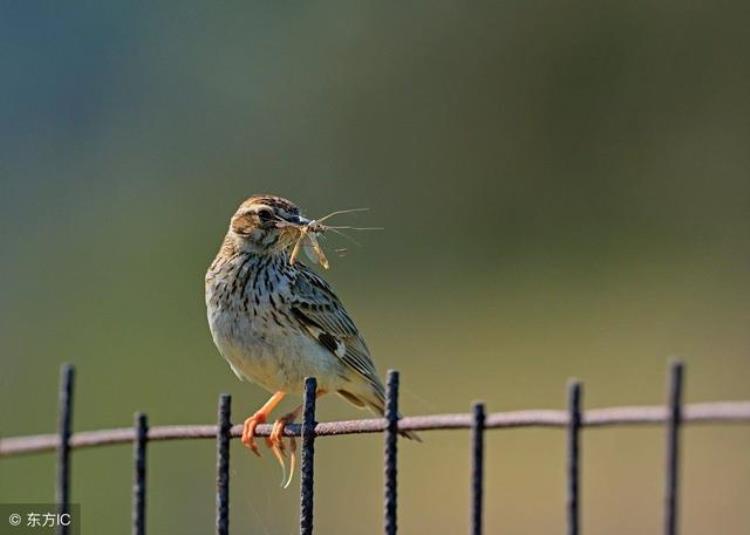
(276, 322)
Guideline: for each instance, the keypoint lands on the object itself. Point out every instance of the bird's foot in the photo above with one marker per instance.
(248, 430)
(276, 443)
(260, 417)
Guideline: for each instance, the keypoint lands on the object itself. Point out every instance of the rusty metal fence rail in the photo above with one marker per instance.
(673, 415)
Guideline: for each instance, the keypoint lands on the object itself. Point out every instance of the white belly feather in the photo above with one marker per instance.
(260, 351)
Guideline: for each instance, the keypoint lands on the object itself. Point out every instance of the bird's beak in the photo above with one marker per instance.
(298, 220)
(293, 225)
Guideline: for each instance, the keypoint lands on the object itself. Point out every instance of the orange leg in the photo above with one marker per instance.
(260, 416)
(276, 444)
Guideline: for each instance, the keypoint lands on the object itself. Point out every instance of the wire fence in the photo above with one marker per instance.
(672, 416)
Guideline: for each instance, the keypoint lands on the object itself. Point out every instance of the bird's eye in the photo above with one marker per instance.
(265, 215)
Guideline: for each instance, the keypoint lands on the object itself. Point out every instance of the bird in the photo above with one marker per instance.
(276, 321)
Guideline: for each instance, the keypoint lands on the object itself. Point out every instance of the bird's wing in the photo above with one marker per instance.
(323, 316)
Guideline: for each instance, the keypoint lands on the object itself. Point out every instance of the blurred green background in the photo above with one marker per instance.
(565, 192)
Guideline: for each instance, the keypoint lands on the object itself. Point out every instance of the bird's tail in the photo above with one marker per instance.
(411, 435)
(379, 409)
(376, 404)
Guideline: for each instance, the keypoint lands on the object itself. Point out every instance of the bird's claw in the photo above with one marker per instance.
(276, 443)
(275, 438)
(248, 431)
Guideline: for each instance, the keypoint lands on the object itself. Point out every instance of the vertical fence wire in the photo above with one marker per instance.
(674, 400)
(391, 452)
(223, 429)
(308, 458)
(65, 424)
(477, 468)
(574, 453)
(139, 474)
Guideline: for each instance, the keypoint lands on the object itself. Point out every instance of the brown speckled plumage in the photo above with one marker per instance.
(276, 323)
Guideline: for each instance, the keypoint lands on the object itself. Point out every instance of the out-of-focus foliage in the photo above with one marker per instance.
(564, 188)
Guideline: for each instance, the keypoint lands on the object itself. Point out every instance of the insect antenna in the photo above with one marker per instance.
(352, 228)
(343, 235)
(338, 212)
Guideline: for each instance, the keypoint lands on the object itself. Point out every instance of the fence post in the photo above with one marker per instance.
(223, 435)
(308, 458)
(674, 421)
(391, 452)
(139, 475)
(574, 454)
(477, 467)
(65, 425)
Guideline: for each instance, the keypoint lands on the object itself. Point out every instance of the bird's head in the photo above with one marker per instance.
(266, 224)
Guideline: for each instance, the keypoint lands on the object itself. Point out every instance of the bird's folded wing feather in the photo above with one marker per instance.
(323, 316)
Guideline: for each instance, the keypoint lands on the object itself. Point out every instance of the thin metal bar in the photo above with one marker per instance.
(574, 453)
(65, 424)
(717, 412)
(391, 453)
(674, 400)
(308, 458)
(222, 464)
(139, 475)
(477, 468)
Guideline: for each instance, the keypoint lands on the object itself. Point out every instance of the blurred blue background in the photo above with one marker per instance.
(564, 190)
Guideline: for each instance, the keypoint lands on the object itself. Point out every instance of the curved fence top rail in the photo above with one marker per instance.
(714, 412)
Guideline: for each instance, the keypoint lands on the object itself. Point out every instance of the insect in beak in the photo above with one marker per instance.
(309, 231)
(308, 240)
